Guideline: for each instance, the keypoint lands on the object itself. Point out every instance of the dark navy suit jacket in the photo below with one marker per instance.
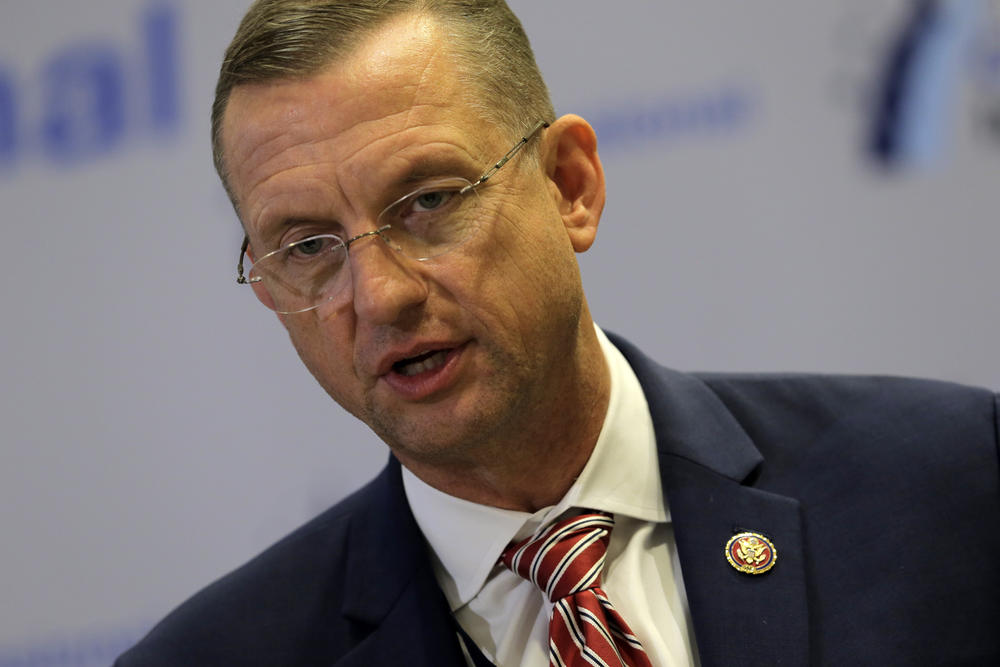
(880, 495)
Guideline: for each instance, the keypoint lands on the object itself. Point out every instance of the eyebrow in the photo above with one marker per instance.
(432, 164)
(437, 166)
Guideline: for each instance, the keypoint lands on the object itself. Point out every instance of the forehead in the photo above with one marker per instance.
(399, 89)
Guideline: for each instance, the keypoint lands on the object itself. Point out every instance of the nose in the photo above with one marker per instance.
(382, 285)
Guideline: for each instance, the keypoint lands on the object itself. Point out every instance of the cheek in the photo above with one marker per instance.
(519, 277)
(535, 259)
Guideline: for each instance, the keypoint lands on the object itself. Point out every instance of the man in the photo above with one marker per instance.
(433, 291)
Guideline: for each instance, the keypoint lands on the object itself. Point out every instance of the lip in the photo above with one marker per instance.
(428, 383)
(417, 349)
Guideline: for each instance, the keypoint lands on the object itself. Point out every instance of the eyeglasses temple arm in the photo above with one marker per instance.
(506, 158)
(240, 278)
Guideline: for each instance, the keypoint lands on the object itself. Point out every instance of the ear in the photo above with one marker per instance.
(576, 177)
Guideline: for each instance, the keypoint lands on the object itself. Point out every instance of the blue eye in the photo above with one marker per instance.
(310, 246)
(428, 201)
(428, 215)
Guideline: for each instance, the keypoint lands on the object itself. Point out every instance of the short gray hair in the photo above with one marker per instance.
(286, 39)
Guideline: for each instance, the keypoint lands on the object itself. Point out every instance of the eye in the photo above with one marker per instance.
(426, 208)
(312, 246)
(433, 199)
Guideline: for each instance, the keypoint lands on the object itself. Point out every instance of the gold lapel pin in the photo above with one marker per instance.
(751, 553)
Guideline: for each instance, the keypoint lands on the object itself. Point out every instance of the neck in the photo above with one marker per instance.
(537, 462)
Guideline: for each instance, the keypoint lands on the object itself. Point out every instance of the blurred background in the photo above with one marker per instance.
(805, 186)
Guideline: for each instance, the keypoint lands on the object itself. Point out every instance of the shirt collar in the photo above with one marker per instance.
(467, 538)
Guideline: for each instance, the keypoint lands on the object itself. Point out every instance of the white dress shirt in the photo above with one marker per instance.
(507, 616)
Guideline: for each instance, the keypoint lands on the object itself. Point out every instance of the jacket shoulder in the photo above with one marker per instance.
(804, 407)
(840, 441)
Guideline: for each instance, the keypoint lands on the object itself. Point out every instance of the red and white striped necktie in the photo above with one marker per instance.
(565, 561)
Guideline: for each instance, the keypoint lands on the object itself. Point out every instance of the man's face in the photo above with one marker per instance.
(437, 356)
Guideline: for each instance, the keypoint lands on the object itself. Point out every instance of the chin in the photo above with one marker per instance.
(443, 436)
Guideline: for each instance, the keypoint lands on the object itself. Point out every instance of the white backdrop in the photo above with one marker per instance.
(158, 429)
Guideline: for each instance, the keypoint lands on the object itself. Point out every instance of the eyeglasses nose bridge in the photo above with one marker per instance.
(379, 232)
(374, 232)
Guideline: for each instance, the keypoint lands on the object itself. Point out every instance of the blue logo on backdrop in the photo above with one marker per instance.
(93, 96)
(673, 117)
(918, 95)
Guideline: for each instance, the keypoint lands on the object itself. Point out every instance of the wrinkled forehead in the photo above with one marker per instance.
(401, 76)
(336, 144)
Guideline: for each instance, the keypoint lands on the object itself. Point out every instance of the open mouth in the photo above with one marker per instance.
(421, 363)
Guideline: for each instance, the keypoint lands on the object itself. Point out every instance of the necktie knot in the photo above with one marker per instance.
(564, 558)
(565, 561)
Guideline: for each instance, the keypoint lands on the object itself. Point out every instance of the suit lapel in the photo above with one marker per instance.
(749, 619)
(707, 465)
(413, 632)
(390, 587)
